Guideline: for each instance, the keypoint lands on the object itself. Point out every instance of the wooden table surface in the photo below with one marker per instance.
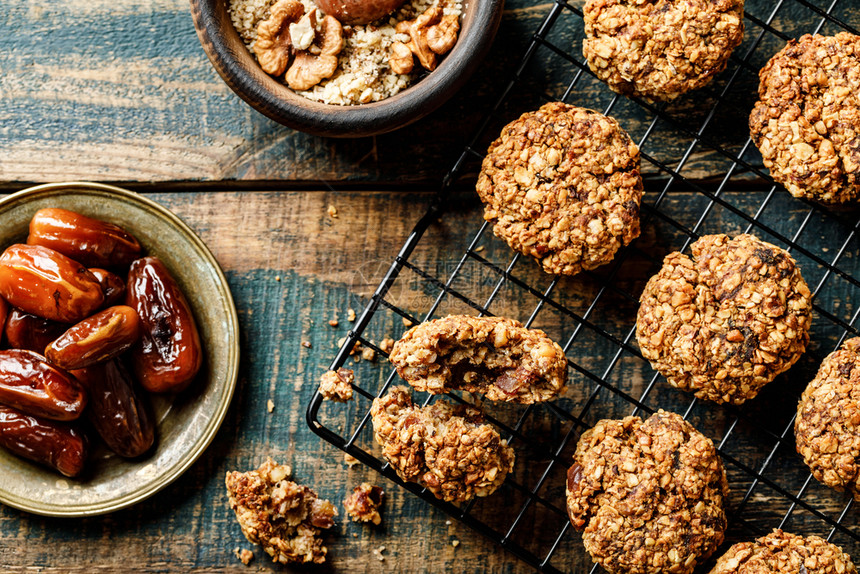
(121, 92)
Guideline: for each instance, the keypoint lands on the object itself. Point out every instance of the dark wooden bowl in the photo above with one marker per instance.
(241, 72)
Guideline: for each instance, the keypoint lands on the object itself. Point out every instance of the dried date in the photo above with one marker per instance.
(54, 444)
(46, 283)
(96, 339)
(122, 418)
(26, 331)
(169, 354)
(112, 284)
(29, 384)
(93, 242)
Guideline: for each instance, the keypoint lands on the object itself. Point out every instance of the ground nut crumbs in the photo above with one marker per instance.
(648, 495)
(363, 73)
(364, 503)
(493, 356)
(827, 427)
(446, 449)
(783, 553)
(283, 517)
(727, 320)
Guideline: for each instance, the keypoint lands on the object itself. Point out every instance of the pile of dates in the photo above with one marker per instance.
(81, 342)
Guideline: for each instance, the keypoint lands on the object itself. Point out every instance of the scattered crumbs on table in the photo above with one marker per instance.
(270, 405)
(333, 322)
(306, 344)
(378, 553)
(455, 543)
(278, 278)
(350, 460)
(339, 343)
(407, 322)
(244, 555)
(825, 249)
(448, 523)
(355, 535)
(332, 211)
(479, 248)
(350, 315)
(368, 354)
(386, 344)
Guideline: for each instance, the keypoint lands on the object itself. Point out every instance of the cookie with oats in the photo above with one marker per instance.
(493, 356)
(562, 185)
(806, 123)
(827, 427)
(660, 49)
(727, 320)
(783, 553)
(647, 495)
(449, 450)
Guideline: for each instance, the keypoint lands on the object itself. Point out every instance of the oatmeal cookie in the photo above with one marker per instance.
(660, 49)
(444, 448)
(648, 496)
(726, 321)
(337, 385)
(562, 185)
(283, 517)
(806, 123)
(494, 356)
(365, 502)
(783, 553)
(827, 427)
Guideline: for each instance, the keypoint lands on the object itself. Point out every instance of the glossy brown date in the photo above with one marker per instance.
(93, 242)
(96, 339)
(26, 331)
(168, 355)
(46, 283)
(112, 284)
(28, 383)
(54, 444)
(122, 418)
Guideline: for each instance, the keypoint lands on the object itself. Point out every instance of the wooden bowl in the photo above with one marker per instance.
(240, 71)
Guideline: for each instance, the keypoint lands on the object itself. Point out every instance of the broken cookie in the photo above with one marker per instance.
(283, 517)
(364, 503)
(494, 356)
(337, 385)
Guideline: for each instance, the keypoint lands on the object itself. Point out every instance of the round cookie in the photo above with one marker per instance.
(783, 553)
(827, 427)
(648, 496)
(806, 123)
(562, 185)
(726, 321)
(660, 49)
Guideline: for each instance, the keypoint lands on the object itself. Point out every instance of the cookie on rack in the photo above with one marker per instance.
(726, 321)
(660, 49)
(806, 123)
(783, 553)
(827, 427)
(494, 356)
(562, 185)
(448, 450)
(648, 495)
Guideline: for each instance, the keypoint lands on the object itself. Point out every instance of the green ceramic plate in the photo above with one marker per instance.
(188, 422)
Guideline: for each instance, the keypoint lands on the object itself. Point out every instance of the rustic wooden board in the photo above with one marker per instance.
(98, 90)
(292, 268)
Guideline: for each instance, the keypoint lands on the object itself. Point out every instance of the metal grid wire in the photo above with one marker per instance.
(770, 486)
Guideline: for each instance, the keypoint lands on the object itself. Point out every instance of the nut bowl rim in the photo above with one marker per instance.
(240, 71)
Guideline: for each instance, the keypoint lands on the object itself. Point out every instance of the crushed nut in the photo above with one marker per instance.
(270, 405)
(333, 322)
(309, 69)
(303, 32)
(442, 37)
(332, 211)
(273, 46)
(430, 34)
(306, 344)
(350, 315)
(400, 59)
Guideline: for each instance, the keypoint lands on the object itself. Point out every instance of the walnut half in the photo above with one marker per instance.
(430, 34)
(310, 68)
(273, 46)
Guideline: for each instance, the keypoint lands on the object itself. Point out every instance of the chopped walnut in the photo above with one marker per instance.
(303, 32)
(273, 46)
(430, 34)
(442, 37)
(364, 503)
(283, 517)
(400, 60)
(310, 68)
(337, 385)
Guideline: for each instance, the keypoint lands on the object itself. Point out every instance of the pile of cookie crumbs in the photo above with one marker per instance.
(363, 73)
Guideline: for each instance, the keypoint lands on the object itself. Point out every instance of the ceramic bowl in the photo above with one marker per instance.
(187, 422)
(239, 69)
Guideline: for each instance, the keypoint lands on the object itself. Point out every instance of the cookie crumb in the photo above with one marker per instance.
(448, 523)
(378, 553)
(332, 211)
(306, 344)
(350, 315)
(270, 405)
(407, 322)
(350, 460)
(278, 278)
(455, 543)
(333, 322)
(244, 555)
(479, 248)
(368, 354)
(386, 345)
(364, 503)
(337, 385)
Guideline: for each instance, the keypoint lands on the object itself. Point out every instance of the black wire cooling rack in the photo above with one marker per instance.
(702, 175)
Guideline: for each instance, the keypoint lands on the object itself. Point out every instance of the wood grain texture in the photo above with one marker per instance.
(292, 268)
